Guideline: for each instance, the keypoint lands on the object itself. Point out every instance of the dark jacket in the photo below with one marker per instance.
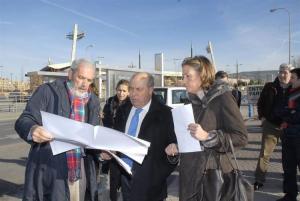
(271, 102)
(46, 177)
(237, 96)
(149, 180)
(291, 115)
(219, 115)
(110, 110)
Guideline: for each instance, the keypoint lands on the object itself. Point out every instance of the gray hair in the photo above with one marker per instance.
(285, 66)
(78, 62)
(148, 76)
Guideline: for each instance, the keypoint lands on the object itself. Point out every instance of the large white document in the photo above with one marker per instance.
(70, 134)
(182, 117)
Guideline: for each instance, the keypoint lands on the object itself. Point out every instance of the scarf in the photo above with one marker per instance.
(78, 114)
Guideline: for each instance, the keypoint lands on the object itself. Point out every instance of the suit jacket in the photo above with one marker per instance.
(46, 176)
(149, 178)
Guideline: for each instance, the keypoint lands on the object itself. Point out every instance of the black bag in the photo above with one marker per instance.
(218, 186)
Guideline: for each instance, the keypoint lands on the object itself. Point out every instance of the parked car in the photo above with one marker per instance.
(171, 96)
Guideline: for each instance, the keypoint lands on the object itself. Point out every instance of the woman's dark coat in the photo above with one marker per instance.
(219, 115)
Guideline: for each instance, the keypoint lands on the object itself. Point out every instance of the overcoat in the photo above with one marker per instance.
(46, 176)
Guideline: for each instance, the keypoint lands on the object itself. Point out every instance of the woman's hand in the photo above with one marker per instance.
(197, 132)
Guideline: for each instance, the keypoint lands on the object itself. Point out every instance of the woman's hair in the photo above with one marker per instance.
(296, 71)
(203, 66)
(123, 82)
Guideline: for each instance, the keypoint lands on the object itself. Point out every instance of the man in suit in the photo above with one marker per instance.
(68, 176)
(147, 118)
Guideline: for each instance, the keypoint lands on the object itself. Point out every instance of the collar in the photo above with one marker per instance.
(146, 107)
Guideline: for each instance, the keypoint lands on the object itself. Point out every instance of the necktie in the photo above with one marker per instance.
(132, 131)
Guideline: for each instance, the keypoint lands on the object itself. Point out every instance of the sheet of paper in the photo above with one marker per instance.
(182, 117)
(58, 147)
(65, 130)
(109, 139)
(136, 157)
(122, 163)
(73, 134)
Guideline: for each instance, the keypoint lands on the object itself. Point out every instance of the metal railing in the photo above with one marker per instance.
(13, 103)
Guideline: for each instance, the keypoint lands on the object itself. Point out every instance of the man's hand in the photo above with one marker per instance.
(40, 135)
(197, 132)
(171, 149)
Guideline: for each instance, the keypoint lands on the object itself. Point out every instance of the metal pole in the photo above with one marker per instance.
(86, 51)
(210, 51)
(162, 70)
(289, 15)
(74, 42)
(139, 59)
(289, 36)
(2, 80)
(237, 72)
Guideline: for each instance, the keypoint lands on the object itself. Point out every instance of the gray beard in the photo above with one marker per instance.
(79, 94)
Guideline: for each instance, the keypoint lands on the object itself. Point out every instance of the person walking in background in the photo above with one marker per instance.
(291, 139)
(114, 102)
(68, 176)
(222, 76)
(271, 101)
(237, 94)
(109, 116)
(217, 118)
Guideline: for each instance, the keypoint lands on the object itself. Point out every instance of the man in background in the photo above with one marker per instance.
(269, 106)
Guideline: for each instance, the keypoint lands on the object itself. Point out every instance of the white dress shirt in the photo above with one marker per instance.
(141, 117)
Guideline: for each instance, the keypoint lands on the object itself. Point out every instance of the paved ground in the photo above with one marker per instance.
(13, 154)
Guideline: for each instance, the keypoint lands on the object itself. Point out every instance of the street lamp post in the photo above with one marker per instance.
(100, 76)
(74, 36)
(237, 72)
(2, 80)
(86, 51)
(288, 12)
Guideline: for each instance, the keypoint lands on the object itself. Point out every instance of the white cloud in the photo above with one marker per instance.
(90, 18)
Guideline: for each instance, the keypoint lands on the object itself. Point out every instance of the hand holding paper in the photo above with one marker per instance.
(186, 143)
(73, 134)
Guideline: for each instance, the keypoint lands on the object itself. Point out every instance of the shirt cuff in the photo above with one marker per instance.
(212, 139)
(29, 136)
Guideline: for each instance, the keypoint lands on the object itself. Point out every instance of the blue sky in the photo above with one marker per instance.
(31, 31)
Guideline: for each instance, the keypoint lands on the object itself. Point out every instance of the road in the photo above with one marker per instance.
(13, 154)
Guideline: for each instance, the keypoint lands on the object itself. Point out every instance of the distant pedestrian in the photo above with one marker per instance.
(271, 101)
(237, 94)
(291, 139)
(222, 77)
